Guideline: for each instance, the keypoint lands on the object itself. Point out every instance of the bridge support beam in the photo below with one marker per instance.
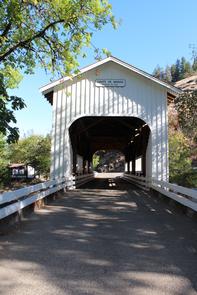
(133, 166)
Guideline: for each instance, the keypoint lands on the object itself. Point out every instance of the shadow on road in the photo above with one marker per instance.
(102, 241)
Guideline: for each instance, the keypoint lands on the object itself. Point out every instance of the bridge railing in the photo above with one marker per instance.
(14, 201)
(11, 202)
(139, 181)
(183, 195)
(78, 180)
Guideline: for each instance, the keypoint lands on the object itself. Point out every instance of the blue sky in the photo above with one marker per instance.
(151, 32)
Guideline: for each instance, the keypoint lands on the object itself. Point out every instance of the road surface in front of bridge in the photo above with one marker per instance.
(107, 237)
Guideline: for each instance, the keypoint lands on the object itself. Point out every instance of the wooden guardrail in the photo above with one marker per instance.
(82, 179)
(183, 195)
(139, 181)
(14, 201)
(11, 202)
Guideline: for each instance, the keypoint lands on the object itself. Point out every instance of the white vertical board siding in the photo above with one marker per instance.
(139, 98)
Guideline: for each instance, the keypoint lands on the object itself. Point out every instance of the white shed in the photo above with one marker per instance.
(110, 105)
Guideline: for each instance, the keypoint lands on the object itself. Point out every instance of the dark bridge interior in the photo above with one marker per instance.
(127, 134)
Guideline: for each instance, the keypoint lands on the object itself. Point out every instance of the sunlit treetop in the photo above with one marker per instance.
(51, 33)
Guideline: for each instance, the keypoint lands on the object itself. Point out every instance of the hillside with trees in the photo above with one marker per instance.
(182, 120)
(179, 70)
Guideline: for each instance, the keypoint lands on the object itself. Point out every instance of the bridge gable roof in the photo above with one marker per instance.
(172, 89)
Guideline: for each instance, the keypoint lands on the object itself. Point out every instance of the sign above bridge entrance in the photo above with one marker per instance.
(110, 83)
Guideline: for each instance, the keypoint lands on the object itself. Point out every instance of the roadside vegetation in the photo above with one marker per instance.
(183, 139)
(33, 150)
(182, 121)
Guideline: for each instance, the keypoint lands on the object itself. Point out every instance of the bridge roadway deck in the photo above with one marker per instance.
(105, 238)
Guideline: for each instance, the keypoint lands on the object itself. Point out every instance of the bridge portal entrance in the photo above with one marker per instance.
(130, 135)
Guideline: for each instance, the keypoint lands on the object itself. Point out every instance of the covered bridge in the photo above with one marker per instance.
(110, 105)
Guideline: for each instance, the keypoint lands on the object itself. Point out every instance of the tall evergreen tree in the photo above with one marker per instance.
(159, 73)
(185, 68)
(181, 69)
(177, 73)
(168, 75)
(194, 65)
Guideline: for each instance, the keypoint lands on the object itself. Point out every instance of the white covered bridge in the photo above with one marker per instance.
(110, 105)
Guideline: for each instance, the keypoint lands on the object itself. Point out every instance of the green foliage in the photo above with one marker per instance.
(186, 105)
(179, 157)
(95, 161)
(182, 117)
(9, 104)
(51, 33)
(33, 150)
(4, 161)
(188, 179)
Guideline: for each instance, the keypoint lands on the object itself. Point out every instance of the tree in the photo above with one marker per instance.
(33, 150)
(185, 68)
(95, 161)
(182, 140)
(177, 72)
(168, 75)
(158, 73)
(173, 73)
(179, 156)
(4, 161)
(186, 105)
(173, 120)
(194, 65)
(51, 33)
(9, 78)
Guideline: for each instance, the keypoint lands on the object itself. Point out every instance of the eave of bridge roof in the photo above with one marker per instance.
(171, 89)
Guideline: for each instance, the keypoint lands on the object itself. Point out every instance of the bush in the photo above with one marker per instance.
(179, 158)
(188, 179)
(4, 174)
(4, 161)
